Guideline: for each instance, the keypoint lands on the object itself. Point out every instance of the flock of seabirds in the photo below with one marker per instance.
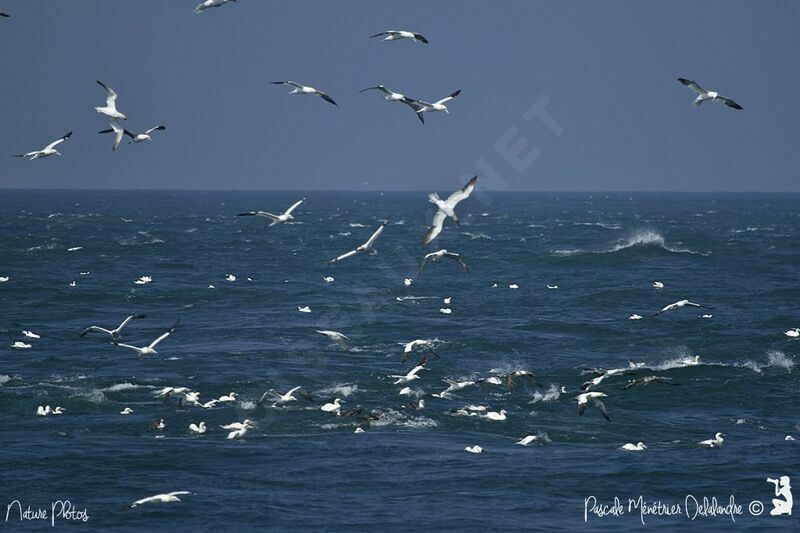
(445, 208)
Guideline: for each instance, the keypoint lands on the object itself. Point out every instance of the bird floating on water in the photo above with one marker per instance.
(716, 442)
(198, 428)
(638, 447)
(794, 333)
(473, 449)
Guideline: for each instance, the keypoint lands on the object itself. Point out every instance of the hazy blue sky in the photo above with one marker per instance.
(607, 70)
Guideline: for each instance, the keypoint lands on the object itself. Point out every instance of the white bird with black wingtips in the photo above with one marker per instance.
(208, 4)
(150, 348)
(113, 333)
(421, 106)
(339, 338)
(276, 219)
(161, 498)
(703, 95)
(136, 138)
(368, 246)
(47, 151)
(446, 208)
(110, 109)
(396, 35)
(434, 256)
(679, 304)
(305, 89)
(594, 397)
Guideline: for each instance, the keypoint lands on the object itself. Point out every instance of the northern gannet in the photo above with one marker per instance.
(47, 151)
(31, 335)
(110, 110)
(411, 376)
(497, 416)
(638, 447)
(305, 89)
(276, 219)
(703, 95)
(368, 246)
(679, 304)
(446, 208)
(150, 349)
(119, 132)
(792, 332)
(529, 440)
(113, 333)
(594, 397)
(648, 379)
(126, 411)
(394, 35)
(473, 449)
(198, 428)
(716, 442)
(284, 398)
(434, 256)
(409, 347)
(207, 4)
(161, 498)
(339, 338)
(420, 106)
(334, 407)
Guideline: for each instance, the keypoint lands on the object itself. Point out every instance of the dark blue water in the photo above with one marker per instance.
(303, 469)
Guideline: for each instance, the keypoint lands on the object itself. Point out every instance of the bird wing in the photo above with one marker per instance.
(344, 256)
(294, 206)
(157, 128)
(693, 85)
(730, 102)
(327, 98)
(436, 227)
(462, 193)
(419, 272)
(125, 322)
(421, 38)
(449, 97)
(179, 493)
(111, 95)
(128, 346)
(381, 34)
(375, 235)
(288, 82)
(119, 132)
(94, 328)
(457, 258)
(165, 334)
(57, 142)
(602, 408)
(581, 408)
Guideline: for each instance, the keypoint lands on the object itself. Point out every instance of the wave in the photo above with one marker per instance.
(639, 240)
(473, 236)
(4, 379)
(126, 386)
(603, 225)
(343, 390)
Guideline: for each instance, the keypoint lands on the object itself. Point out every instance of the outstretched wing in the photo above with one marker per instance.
(375, 235)
(157, 128)
(463, 193)
(344, 256)
(165, 334)
(59, 141)
(327, 98)
(730, 102)
(457, 258)
(693, 85)
(602, 408)
(111, 95)
(294, 206)
(287, 82)
(449, 97)
(436, 227)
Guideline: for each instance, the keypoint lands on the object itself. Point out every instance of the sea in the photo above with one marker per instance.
(553, 281)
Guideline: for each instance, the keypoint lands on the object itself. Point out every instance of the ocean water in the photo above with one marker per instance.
(303, 469)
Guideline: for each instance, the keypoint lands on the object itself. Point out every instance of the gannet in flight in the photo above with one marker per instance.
(284, 398)
(110, 110)
(679, 304)
(703, 95)
(276, 219)
(584, 398)
(392, 96)
(638, 447)
(411, 376)
(716, 442)
(305, 89)
(150, 349)
(420, 106)
(394, 35)
(409, 347)
(119, 131)
(47, 151)
(366, 247)
(339, 338)
(647, 379)
(209, 4)
(446, 208)
(161, 498)
(114, 333)
(434, 256)
(530, 376)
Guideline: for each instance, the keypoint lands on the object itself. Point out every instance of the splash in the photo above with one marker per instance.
(641, 239)
(552, 394)
(342, 390)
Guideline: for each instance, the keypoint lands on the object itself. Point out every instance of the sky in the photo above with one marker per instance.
(559, 95)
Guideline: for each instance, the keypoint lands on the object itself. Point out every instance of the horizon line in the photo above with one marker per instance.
(422, 191)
